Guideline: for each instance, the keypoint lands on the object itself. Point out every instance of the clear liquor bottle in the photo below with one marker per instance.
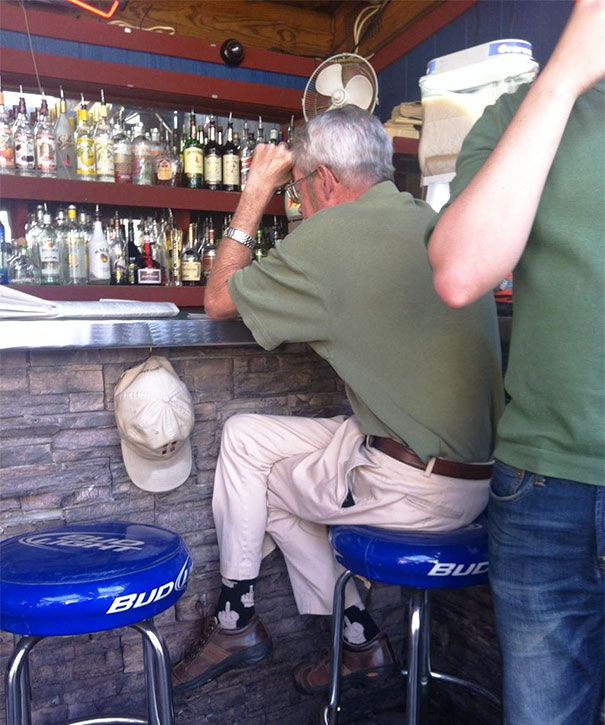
(259, 250)
(260, 132)
(32, 231)
(85, 146)
(76, 249)
(50, 253)
(142, 166)
(122, 155)
(104, 152)
(45, 143)
(118, 252)
(193, 157)
(213, 169)
(66, 146)
(61, 232)
(149, 270)
(99, 269)
(21, 269)
(7, 144)
(231, 170)
(4, 255)
(246, 153)
(23, 136)
(191, 265)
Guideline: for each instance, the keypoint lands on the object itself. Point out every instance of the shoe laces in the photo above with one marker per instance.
(209, 625)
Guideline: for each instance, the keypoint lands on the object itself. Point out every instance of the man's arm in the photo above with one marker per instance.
(480, 238)
(270, 169)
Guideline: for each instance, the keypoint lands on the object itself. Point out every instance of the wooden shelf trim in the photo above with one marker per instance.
(406, 146)
(91, 192)
(62, 27)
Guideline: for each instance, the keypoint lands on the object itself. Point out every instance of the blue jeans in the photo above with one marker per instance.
(547, 574)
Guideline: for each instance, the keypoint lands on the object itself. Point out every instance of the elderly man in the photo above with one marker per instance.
(423, 382)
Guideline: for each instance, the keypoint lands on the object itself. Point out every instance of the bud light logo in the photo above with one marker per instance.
(444, 568)
(57, 541)
(519, 46)
(143, 599)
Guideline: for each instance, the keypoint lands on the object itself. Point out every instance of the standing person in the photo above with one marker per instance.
(529, 195)
(423, 381)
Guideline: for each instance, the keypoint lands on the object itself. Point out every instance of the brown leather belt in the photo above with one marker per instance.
(442, 467)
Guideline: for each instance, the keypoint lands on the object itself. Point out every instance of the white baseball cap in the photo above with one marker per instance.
(154, 414)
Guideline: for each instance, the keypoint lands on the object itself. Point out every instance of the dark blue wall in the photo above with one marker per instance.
(539, 21)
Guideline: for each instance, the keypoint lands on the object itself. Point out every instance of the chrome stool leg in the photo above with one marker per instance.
(157, 675)
(18, 711)
(330, 715)
(417, 660)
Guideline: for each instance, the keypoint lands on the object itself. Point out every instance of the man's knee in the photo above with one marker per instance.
(238, 427)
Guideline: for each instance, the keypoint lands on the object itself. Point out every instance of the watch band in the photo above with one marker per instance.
(238, 236)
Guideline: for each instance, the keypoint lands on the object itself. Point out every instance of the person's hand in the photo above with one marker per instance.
(248, 598)
(228, 619)
(271, 166)
(578, 60)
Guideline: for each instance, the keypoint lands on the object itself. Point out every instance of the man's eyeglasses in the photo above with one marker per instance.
(291, 189)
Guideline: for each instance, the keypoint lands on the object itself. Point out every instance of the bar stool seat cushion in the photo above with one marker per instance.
(443, 560)
(85, 578)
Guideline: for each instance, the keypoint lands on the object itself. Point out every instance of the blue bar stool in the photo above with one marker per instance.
(420, 562)
(87, 578)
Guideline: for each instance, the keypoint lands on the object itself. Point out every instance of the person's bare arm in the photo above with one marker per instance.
(270, 169)
(481, 236)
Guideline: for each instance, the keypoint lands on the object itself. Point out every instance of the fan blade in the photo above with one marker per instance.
(359, 91)
(329, 80)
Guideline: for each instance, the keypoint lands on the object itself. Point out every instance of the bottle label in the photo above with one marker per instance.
(246, 162)
(99, 263)
(49, 251)
(149, 275)
(212, 169)
(123, 165)
(7, 149)
(24, 152)
(231, 170)
(193, 161)
(208, 262)
(76, 260)
(191, 271)
(85, 157)
(104, 159)
(163, 170)
(46, 156)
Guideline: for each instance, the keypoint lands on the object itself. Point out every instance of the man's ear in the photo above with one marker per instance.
(329, 181)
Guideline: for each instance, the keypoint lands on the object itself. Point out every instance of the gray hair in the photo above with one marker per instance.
(348, 140)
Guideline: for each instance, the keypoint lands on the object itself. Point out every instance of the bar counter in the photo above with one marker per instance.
(61, 462)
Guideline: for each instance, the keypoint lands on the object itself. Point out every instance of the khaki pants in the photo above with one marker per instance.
(283, 479)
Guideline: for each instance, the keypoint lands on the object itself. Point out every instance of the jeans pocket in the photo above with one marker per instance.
(510, 484)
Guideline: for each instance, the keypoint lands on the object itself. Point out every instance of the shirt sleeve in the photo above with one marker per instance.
(478, 145)
(278, 299)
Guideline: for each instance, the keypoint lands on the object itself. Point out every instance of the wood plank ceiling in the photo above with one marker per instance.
(310, 28)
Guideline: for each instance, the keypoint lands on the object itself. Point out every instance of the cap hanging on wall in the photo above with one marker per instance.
(154, 414)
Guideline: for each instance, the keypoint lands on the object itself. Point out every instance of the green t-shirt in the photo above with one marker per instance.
(554, 424)
(354, 282)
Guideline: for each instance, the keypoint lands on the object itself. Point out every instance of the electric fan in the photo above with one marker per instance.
(342, 79)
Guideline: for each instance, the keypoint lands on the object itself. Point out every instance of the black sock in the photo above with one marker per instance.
(236, 603)
(359, 626)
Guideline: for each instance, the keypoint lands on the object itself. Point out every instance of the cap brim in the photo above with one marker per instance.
(159, 474)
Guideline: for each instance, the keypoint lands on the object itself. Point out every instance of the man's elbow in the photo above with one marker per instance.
(454, 291)
(218, 309)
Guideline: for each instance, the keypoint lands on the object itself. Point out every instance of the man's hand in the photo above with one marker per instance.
(271, 167)
(578, 60)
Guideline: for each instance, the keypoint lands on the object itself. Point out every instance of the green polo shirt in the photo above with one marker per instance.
(554, 424)
(354, 282)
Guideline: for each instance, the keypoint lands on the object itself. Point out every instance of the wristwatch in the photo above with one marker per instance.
(238, 236)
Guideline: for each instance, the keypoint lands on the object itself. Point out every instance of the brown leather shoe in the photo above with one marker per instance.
(364, 664)
(219, 650)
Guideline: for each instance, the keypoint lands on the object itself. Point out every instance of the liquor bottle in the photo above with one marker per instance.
(193, 158)
(276, 233)
(60, 227)
(149, 270)
(85, 146)
(50, 253)
(245, 155)
(23, 136)
(76, 249)
(213, 168)
(230, 161)
(191, 265)
(122, 155)
(209, 253)
(132, 252)
(118, 252)
(45, 144)
(66, 147)
(99, 269)
(168, 165)
(21, 269)
(104, 151)
(7, 144)
(142, 166)
(259, 250)
(290, 132)
(260, 132)
(4, 255)
(32, 231)
(274, 136)
(156, 146)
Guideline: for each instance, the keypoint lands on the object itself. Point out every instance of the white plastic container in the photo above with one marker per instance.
(455, 91)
